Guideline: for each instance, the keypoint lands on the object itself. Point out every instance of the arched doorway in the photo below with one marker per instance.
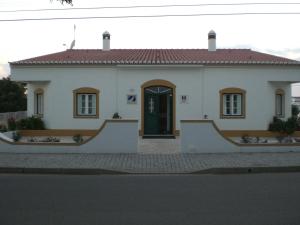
(158, 108)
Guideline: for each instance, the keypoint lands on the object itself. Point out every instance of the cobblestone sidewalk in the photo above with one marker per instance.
(149, 163)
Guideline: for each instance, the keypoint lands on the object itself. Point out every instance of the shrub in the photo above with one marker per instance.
(245, 139)
(116, 116)
(295, 110)
(16, 136)
(287, 127)
(31, 123)
(3, 128)
(277, 125)
(11, 123)
(291, 125)
(78, 138)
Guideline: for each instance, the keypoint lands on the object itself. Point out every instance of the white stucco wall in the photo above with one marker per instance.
(201, 84)
(117, 136)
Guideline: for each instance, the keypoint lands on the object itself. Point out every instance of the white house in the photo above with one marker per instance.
(239, 89)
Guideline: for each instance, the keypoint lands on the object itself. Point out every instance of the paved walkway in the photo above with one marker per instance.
(159, 146)
(150, 163)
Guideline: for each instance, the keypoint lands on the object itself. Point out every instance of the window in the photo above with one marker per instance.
(279, 103)
(39, 102)
(86, 102)
(232, 103)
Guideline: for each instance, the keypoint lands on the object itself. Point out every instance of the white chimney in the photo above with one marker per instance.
(106, 41)
(212, 41)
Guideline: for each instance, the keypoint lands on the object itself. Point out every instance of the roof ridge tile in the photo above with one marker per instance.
(158, 56)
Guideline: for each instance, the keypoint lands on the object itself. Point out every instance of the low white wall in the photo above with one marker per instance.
(116, 136)
(202, 136)
(16, 115)
(7, 136)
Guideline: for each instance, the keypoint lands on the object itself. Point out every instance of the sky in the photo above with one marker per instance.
(276, 34)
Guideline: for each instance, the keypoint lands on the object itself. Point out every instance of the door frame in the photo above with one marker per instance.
(158, 82)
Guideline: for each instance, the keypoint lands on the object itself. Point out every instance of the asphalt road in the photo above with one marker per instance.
(253, 199)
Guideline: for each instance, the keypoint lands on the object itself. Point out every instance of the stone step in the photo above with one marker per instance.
(159, 146)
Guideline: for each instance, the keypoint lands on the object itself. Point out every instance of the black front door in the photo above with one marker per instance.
(158, 110)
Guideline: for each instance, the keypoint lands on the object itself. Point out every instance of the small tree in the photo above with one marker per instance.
(12, 96)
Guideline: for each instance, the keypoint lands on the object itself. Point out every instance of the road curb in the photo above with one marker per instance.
(89, 171)
(248, 170)
(75, 171)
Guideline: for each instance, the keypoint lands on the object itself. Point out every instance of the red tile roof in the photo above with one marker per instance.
(158, 57)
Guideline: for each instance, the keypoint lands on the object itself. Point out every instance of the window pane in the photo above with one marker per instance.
(279, 105)
(90, 103)
(232, 104)
(86, 104)
(226, 104)
(39, 104)
(81, 104)
(238, 104)
(94, 104)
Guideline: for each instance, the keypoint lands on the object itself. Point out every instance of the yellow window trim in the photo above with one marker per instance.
(85, 90)
(233, 90)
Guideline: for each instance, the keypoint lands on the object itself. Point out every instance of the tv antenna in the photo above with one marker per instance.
(73, 42)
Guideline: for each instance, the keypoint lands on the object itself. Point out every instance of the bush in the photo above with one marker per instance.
(78, 138)
(11, 123)
(116, 116)
(287, 127)
(295, 110)
(31, 123)
(277, 125)
(291, 125)
(16, 136)
(3, 128)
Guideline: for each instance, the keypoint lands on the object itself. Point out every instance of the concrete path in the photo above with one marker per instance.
(146, 163)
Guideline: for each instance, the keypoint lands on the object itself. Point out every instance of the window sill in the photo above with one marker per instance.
(233, 117)
(38, 115)
(280, 117)
(86, 117)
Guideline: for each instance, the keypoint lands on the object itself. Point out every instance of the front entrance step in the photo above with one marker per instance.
(159, 146)
(159, 137)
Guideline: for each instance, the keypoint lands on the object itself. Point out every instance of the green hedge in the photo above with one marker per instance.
(30, 123)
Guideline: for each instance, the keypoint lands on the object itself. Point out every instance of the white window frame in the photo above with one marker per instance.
(39, 102)
(279, 103)
(233, 107)
(89, 108)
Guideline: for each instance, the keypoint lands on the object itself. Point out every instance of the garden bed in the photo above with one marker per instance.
(265, 140)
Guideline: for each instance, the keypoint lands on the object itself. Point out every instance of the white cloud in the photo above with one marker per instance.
(288, 53)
